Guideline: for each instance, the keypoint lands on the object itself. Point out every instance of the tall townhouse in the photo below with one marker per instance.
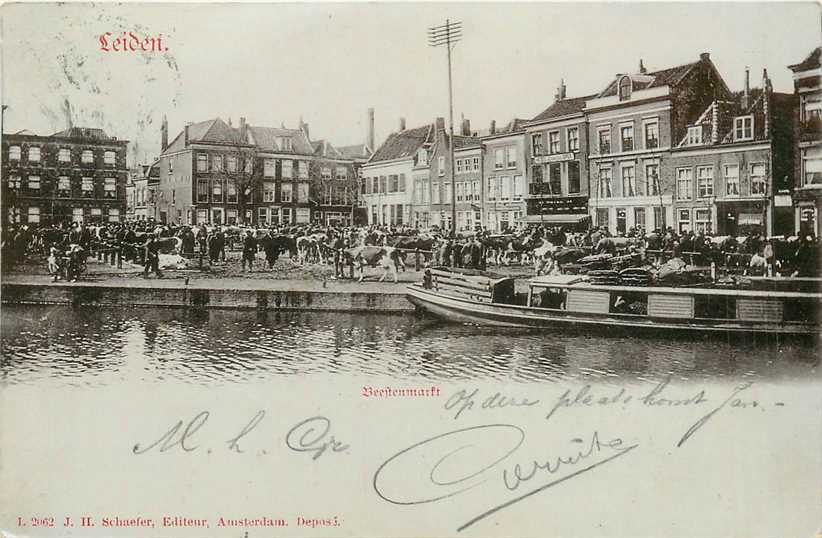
(386, 189)
(334, 180)
(466, 190)
(505, 165)
(632, 126)
(75, 175)
(732, 163)
(558, 184)
(807, 194)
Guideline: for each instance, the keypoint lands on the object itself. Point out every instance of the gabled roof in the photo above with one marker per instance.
(810, 62)
(266, 138)
(202, 131)
(463, 142)
(83, 132)
(357, 151)
(563, 107)
(324, 148)
(403, 144)
(26, 132)
(643, 81)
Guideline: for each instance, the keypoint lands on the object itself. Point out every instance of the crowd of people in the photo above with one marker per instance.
(143, 241)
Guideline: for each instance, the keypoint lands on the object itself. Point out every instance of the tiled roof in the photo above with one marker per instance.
(357, 151)
(461, 142)
(402, 144)
(265, 138)
(83, 132)
(643, 81)
(563, 107)
(811, 62)
(324, 148)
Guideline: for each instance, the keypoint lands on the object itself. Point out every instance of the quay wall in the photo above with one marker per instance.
(89, 294)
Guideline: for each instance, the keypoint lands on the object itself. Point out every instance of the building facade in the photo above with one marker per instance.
(632, 126)
(466, 191)
(506, 160)
(76, 175)
(807, 194)
(558, 183)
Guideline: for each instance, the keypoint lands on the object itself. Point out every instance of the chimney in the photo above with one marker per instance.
(243, 129)
(402, 124)
(466, 127)
(493, 128)
(705, 56)
(746, 96)
(185, 139)
(370, 140)
(766, 98)
(67, 112)
(229, 122)
(304, 128)
(440, 124)
(715, 122)
(164, 133)
(642, 69)
(560, 95)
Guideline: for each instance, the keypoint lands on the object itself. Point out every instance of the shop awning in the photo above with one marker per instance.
(570, 218)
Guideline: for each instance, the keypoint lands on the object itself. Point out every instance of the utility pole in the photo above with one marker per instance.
(448, 34)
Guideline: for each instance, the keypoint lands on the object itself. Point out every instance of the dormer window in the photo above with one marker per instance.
(624, 88)
(422, 157)
(285, 144)
(694, 136)
(743, 128)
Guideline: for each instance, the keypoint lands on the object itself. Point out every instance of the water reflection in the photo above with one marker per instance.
(92, 345)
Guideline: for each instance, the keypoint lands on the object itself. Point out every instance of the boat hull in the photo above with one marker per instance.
(461, 310)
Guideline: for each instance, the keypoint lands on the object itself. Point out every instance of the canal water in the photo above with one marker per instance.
(725, 434)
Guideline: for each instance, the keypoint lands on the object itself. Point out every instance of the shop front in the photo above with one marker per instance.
(570, 212)
(741, 218)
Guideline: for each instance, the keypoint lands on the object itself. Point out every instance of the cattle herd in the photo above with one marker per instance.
(392, 248)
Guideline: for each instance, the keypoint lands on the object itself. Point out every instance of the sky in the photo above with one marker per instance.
(329, 62)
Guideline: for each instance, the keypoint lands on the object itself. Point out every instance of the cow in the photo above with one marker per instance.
(374, 256)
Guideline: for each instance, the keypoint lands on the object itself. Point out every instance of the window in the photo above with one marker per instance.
(476, 164)
(108, 158)
(702, 220)
(285, 192)
(684, 220)
(435, 193)
(605, 183)
(651, 134)
(603, 217)
(441, 165)
(422, 157)
(446, 193)
(811, 108)
(491, 191)
(87, 157)
(269, 168)
(684, 179)
(64, 155)
(458, 163)
(460, 189)
(758, 179)
(402, 183)
(694, 136)
(217, 191)
(262, 216)
(383, 184)
(536, 144)
(627, 136)
(573, 138)
(34, 184)
(33, 215)
(202, 216)
(14, 182)
(114, 215)
(659, 218)
(328, 194)
(202, 190)
(573, 177)
(537, 173)
(77, 214)
(628, 181)
(605, 140)
(812, 167)
(705, 181)
(202, 162)
(505, 187)
(624, 88)
(519, 186)
(512, 157)
(302, 193)
(393, 183)
(499, 159)
(426, 198)
(342, 173)
(553, 142)
(302, 169)
(34, 155)
(652, 179)
(87, 187)
(14, 153)
(639, 217)
(63, 186)
(285, 143)
(743, 128)
(287, 169)
(231, 192)
(555, 178)
(231, 163)
(110, 187)
(249, 165)
(269, 189)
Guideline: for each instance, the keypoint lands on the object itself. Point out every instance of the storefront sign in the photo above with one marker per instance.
(558, 206)
(559, 157)
(782, 200)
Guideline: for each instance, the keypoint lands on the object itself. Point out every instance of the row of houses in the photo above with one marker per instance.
(652, 149)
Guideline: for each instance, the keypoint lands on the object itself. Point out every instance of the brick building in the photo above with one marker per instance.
(558, 180)
(807, 173)
(632, 126)
(467, 187)
(732, 163)
(506, 158)
(75, 175)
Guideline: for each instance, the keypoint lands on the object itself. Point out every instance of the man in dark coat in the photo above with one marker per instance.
(249, 250)
(152, 257)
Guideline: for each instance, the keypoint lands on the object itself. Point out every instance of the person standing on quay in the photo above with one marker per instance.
(249, 250)
(152, 257)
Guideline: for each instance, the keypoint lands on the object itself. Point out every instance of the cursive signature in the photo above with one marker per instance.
(312, 435)
(452, 463)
